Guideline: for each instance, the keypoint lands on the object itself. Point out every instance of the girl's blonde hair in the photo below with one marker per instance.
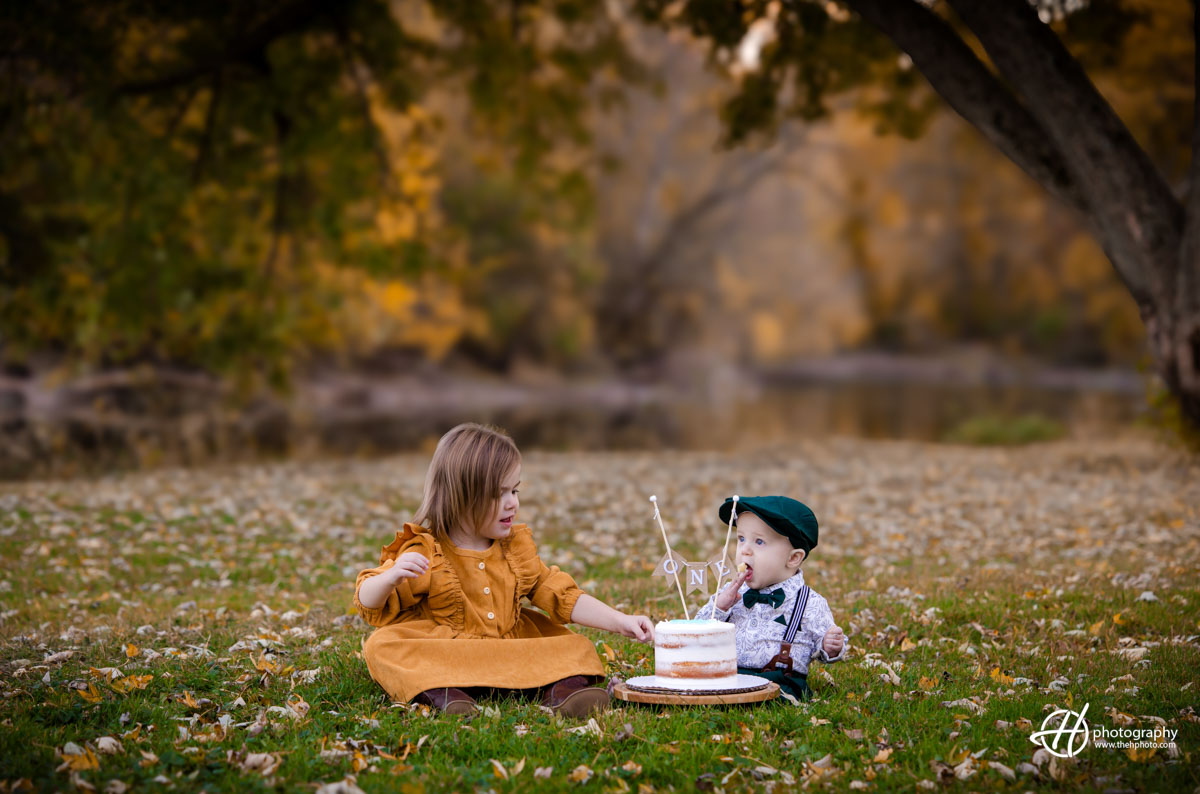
(464, 478)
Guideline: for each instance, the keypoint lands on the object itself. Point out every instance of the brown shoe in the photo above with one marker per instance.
(448, 700)
(574, 697)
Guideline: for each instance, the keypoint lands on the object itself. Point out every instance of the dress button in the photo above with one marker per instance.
(491, 616)
(487, 591)
(481, 566)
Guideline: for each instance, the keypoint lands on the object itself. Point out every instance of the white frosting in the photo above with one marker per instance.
(683, 645)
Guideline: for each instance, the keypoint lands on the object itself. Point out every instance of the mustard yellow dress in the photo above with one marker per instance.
(461, 623)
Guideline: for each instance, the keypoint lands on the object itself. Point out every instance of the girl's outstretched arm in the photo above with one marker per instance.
(596, 614)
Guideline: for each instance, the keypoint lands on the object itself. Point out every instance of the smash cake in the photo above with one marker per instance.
(695, 654)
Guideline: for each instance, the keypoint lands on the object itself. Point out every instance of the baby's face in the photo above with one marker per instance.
(769, 556)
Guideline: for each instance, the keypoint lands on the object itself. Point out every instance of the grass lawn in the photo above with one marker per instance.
(189, 630)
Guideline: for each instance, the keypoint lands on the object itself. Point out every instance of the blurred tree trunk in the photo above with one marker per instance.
(1056, 126)
(670, 208)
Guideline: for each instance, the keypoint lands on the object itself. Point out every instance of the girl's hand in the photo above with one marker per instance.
(833, 642)
(728, 597)
(637, 627)
(409, 565)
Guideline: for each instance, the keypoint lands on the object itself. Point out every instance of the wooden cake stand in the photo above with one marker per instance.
(693, 698)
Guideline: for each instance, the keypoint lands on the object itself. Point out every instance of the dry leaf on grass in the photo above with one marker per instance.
(77, 759)
(109, 746)
(964, 703)
(580, 774)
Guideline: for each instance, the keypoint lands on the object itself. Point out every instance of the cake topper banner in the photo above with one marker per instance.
(695, 574)
(676, 568)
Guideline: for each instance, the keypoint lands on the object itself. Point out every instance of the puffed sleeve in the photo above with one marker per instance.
(549, 589)
(408, 592)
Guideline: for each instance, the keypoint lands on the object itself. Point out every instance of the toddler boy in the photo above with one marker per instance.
(782, 625)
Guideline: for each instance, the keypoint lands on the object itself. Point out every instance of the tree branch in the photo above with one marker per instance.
(210, 126)
(973, 91)
(1187, 345)
(1135, 216)
(719, 194)
(1190, 248)
(246, 48)
(349, 57)
(283, 125)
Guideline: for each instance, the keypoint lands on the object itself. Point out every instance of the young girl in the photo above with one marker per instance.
(446, 597)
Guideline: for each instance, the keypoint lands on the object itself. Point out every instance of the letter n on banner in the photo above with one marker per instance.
(697, 576)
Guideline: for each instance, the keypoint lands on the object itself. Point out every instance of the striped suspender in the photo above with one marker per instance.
(793, 626)
(783, 659)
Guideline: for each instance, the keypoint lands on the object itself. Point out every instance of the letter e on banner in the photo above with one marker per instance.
(720, 568)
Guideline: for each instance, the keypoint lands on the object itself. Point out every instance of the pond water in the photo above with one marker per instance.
(772, 414)
(378, 417)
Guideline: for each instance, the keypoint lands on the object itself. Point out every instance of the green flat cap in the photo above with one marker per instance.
(794, 520)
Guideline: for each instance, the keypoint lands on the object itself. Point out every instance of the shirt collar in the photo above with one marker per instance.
(791, 585)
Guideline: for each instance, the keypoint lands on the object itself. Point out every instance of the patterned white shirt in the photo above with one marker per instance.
(759, 632)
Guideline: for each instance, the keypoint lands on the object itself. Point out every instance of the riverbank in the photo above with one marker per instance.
(144, 418)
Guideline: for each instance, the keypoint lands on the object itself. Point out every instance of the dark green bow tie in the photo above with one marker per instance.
(775, 598)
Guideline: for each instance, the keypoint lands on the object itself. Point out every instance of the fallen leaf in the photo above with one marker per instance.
(107, 673)
(109, 746)
(591, 727)
(90, 694)
(264, 763)
(999, 677)
(78, 759)
(964, 703)
(131, 682)
(346, 786)
(580, 774)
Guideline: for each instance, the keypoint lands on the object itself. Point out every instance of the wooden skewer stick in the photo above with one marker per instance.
(725, 547)
(671, 557)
